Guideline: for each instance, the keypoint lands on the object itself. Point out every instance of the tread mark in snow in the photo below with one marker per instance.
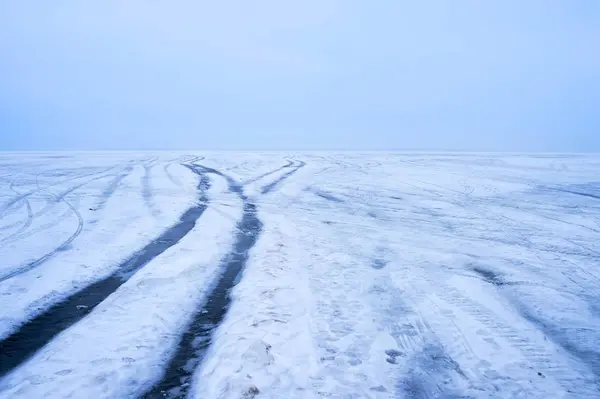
(271, 186)
(536, 354)
(589, 357)
(112, 188)
(287, 165)
(64, 246)
(580, 193)
(195, 342)
(4, 208)
(29, 220)
(33, 335)
(172, 178)
(55, 199)
(147, 189)
(327, 196)
(72, 209)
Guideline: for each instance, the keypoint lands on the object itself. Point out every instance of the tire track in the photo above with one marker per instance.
(197, 339)
(327, 196)
(558, 335)
(273, 185)
(172, 178)
(112, 188)
(34, 334)
(67, 243)
(62, 247)
(60, 198)
(12, 209)
(186, 159)
(287, 165)
(580, 193)
(147, 188)
(4, 208)
(29, 220)
(534, 353)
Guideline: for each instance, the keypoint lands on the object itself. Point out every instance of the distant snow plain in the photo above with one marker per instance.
(299, 275)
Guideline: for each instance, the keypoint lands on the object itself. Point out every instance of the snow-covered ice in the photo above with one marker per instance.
(363, 275)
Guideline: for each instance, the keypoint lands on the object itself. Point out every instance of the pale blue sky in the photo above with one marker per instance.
(516, 75)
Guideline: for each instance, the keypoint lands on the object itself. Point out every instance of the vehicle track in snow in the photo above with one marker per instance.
(146, 181)
(557, 334)
(60, 197)
(17, 199)
(197, 339)
(62, 247)
(112, 187)
(273, 185)
(536, 354)
(287, 165)
(30, 216)
(186, 159)
(37, 332)
(65, 245)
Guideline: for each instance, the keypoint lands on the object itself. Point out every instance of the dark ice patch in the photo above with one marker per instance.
(489, 276)
(393, 355)
(431, 373)
(380, 260)
(379, 263)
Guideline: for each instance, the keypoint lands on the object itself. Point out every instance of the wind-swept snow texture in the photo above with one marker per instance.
(299, 275)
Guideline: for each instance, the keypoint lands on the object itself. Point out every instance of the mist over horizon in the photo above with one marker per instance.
(311, 75)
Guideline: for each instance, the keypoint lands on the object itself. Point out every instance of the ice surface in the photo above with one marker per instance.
(375, 275)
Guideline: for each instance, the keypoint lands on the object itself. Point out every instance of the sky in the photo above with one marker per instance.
(494, 75)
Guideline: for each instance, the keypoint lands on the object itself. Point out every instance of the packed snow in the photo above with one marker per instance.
(299, 275)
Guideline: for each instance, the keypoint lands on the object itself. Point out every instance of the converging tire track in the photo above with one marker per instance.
(194, 343)
(36, 333)
(189, 159)
(287, 165)
(196, 340)
(273, 185)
